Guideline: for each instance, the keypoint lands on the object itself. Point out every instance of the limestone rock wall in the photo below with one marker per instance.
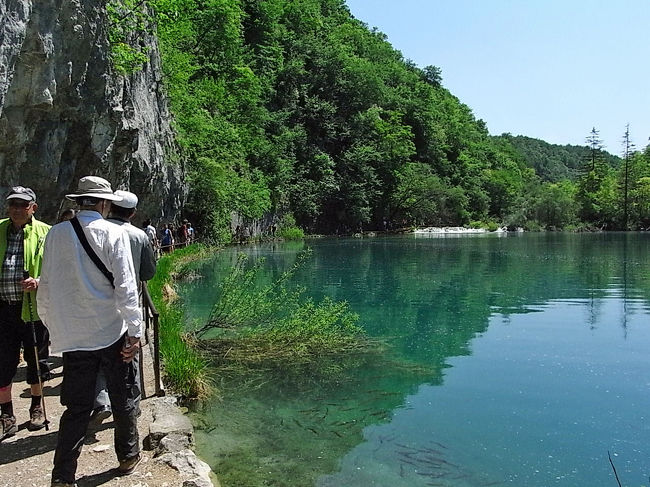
(65, 113)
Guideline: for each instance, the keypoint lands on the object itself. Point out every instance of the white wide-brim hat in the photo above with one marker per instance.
(94, 187)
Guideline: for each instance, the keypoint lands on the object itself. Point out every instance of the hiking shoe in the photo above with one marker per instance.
(128, 466)
(9, 426)
(36, 418)
(99, 415)
(59, 483)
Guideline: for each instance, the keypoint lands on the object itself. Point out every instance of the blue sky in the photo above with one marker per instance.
(548, 69)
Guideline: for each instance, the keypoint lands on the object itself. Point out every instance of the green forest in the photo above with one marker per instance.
(297, 112)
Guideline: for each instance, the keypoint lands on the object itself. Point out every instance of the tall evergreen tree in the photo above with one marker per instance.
(595, 144)
(628, 151)
(597, 186)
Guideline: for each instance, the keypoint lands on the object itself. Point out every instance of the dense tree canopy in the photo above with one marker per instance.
(554, 162)
(296, 107)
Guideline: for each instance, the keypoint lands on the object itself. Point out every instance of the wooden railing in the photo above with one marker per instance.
(151, 327)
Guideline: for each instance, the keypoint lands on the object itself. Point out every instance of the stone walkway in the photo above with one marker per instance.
(26, 458)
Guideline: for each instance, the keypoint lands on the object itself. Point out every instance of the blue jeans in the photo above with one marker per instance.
(80, 370)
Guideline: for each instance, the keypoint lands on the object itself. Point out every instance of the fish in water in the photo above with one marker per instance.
(310, 410)
(341, 423)
(409, 462)
(378, 413)
(434, 475)
(401, 445)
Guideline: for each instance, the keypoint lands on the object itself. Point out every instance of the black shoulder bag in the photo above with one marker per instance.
(89, 250)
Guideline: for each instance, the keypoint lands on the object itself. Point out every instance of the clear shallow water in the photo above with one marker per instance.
(518, 360)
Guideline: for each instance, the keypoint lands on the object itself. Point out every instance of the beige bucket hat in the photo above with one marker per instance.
(94, 187)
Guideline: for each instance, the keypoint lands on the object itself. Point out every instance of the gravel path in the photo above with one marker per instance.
(26, 458)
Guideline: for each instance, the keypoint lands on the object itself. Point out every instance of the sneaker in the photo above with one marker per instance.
(99, 415)
(9, 426)
(128, 466)
(59, 483)
(36, 418)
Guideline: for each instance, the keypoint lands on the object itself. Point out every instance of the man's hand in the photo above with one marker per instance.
(29, 284)
(130, 348)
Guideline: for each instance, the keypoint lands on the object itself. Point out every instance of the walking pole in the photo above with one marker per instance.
(38, 366)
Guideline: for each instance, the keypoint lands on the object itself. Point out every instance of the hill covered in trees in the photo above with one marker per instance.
(553, 162)
(295, 108)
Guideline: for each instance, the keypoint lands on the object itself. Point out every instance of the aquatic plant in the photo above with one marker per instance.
(240, 305)
(251, 327)
(277, 326)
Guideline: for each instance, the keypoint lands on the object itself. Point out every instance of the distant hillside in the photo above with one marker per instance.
(554, 162)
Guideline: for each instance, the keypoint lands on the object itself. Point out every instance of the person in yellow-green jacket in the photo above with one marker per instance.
(22, 239)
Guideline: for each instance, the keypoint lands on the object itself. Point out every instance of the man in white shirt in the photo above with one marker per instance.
(150, 230)
(95, 320)
(144, 263)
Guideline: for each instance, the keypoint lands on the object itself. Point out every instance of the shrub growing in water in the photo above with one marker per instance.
(276, 325)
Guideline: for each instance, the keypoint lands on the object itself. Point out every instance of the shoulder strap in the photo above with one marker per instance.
(89, 250)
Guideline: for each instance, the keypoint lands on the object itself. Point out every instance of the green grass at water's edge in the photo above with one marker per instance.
(185, 370)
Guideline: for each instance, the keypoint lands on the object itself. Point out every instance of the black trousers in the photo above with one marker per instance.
(14, 333)
(80, 371)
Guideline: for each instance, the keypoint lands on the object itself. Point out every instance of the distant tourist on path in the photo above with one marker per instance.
(150, 230)
(167, 240)
(21, 248)
(66, 215)
(89, 301)
(190, 233)
(181, 241)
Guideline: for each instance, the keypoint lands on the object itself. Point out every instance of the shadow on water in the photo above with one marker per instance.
(432, 297)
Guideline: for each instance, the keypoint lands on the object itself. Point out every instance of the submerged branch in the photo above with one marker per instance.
(613, 468)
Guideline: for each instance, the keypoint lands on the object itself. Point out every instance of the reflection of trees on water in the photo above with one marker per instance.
(624, 315)
(432, 297)
(435, 295)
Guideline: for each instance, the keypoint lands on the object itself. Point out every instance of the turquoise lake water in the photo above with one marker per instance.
(515, 360)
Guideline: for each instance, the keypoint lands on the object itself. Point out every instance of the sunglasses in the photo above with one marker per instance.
(15, 203)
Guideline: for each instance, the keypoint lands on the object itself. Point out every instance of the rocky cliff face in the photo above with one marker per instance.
(65, 113)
